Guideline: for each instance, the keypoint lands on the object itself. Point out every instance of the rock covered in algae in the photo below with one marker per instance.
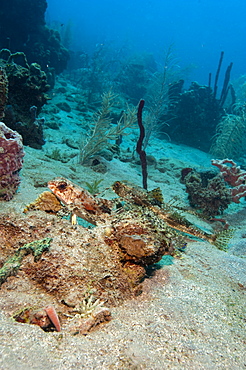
(47, 202)
(13, 263)
(78, 260)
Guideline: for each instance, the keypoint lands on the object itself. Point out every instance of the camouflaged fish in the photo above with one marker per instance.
(170, 216)
(79, 201)
(97, 210)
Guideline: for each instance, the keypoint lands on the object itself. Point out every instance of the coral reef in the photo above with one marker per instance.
(207, 192)
(11, 159)
(27, 85)
(192, 115)
(23, 29)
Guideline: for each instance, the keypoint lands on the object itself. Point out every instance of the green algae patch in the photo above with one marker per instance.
(13, 263)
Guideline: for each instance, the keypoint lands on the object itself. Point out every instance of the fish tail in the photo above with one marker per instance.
(222, 239)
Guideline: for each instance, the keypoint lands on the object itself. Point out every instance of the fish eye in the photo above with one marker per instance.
(116, 185)
(62, 186)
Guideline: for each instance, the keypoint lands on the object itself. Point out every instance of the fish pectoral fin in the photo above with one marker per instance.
(73, 219)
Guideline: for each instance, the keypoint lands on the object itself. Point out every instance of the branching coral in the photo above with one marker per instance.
(234, 176)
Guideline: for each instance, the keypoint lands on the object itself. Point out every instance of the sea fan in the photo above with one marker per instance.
(229, 139)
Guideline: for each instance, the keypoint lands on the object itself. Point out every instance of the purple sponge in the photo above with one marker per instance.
(11, 160)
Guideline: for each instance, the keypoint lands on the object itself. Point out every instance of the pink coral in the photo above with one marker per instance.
(11, 160)
(234, 176)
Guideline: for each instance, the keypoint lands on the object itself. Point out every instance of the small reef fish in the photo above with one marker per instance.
(171, 217)
(79, 201)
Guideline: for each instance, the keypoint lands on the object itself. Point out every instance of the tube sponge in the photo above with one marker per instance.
(11, 160)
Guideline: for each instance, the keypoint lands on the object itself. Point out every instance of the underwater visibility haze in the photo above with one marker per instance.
(198, 29)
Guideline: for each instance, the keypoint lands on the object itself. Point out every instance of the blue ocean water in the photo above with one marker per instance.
(198, 29)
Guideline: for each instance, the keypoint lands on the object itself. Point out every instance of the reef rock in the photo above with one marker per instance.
(22, 95)
(78, 264)
(23, 29)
